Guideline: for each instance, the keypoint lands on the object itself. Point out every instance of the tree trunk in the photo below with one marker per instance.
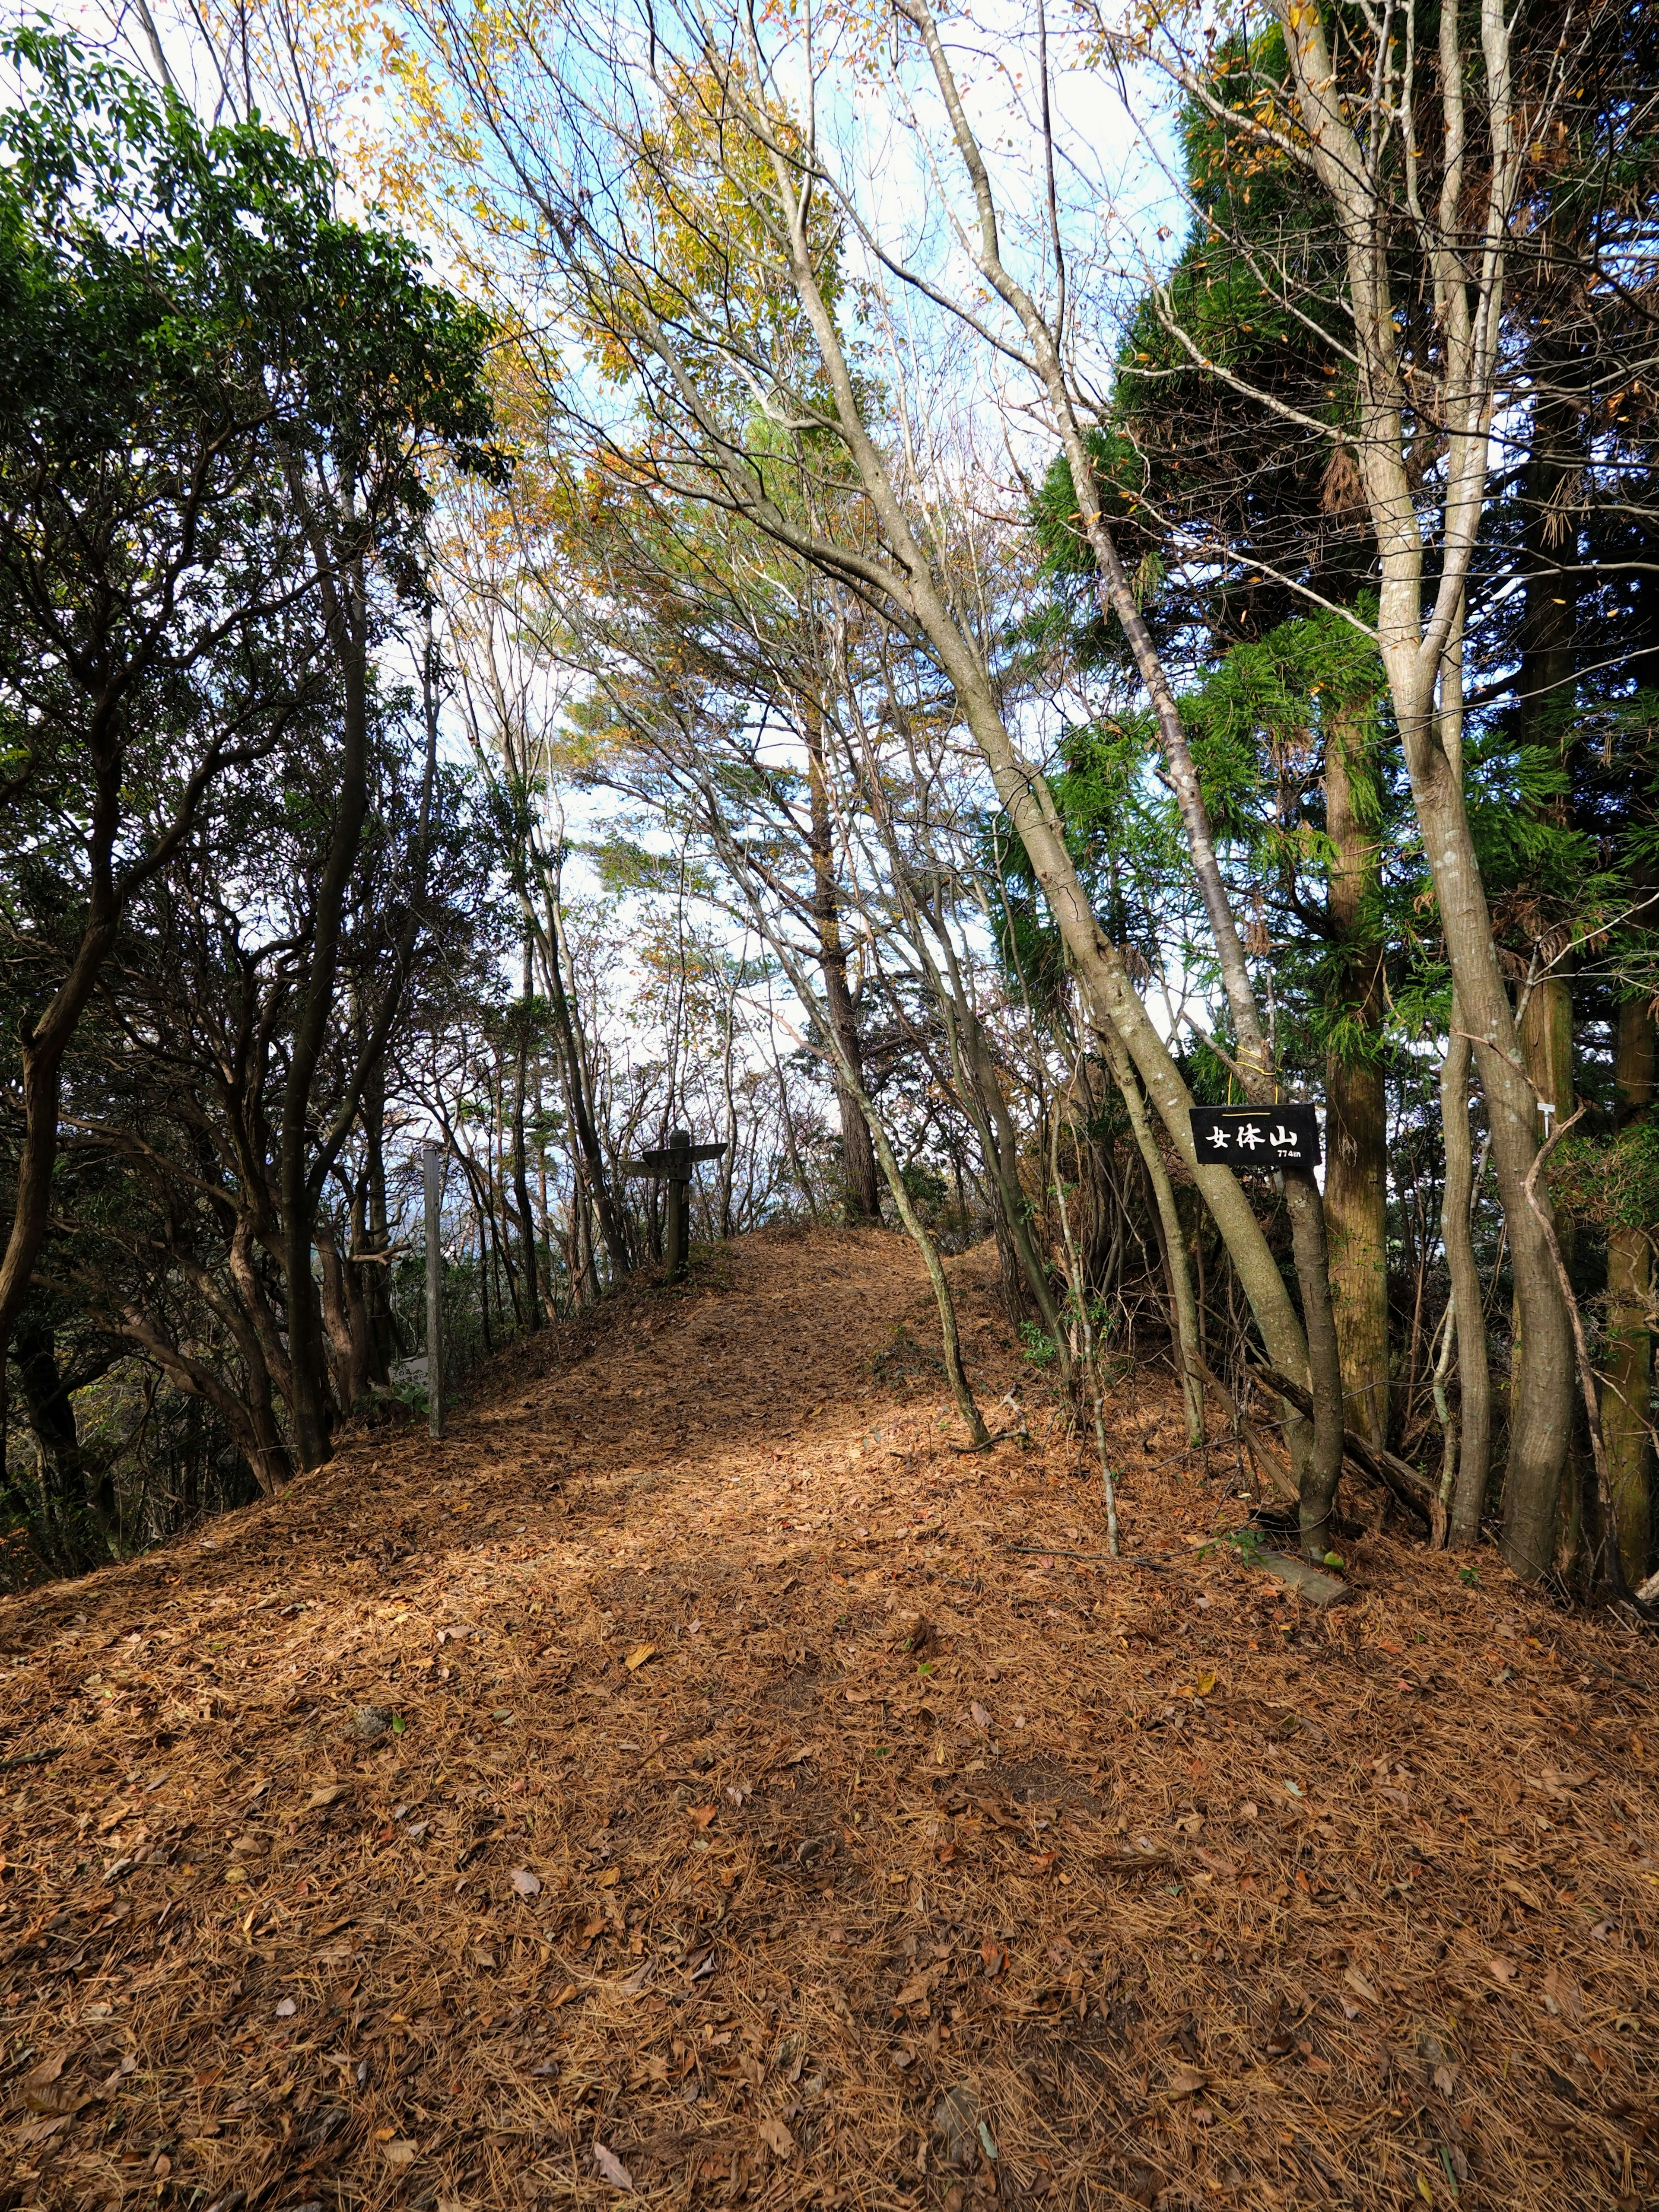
(1469, 1320)
(308, 1405)
(86, 1499)
(863, 1192)
(1627, 1396)
(381, 1329)
(1356, 1114)
(1183, 1306)
(551, 946)
(347, 1344)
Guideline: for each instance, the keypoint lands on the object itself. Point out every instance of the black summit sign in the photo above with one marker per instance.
(1259, 1137)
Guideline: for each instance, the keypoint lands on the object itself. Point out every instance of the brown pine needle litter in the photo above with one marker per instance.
(673, 1786)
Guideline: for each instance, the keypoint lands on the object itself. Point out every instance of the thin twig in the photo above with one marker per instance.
(33, 1758)
(1116, 1558)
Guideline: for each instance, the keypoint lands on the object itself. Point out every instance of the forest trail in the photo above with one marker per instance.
(692, 1866)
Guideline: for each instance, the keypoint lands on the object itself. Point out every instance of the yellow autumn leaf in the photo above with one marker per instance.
(1206, 1684)
(637, 1657)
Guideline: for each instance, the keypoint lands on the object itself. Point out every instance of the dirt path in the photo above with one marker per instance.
(677, 1781)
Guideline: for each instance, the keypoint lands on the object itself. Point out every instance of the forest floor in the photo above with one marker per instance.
(687, 1780)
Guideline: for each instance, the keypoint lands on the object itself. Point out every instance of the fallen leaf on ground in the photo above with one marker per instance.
(1562, 1994)
(635, 1661)
(1185, 2080)
(327, 1793)
(526, 1884)
(401, 2153)
(982, 1718)
(776, 2137)
(611, 2167)
(1356, 1981)
(1501, 1970)
(699, 1815)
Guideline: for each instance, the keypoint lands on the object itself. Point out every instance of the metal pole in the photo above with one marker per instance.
(433, 1177)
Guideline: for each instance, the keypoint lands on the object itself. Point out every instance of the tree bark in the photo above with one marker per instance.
(1356, 1114)
(1628, 1392)
(1469, 1320)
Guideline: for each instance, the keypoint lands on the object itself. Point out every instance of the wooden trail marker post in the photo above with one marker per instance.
(673, 1165)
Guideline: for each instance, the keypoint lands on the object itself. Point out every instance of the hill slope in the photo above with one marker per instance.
(681, 1777)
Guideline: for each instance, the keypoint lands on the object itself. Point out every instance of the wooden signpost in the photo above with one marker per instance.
(673, 1165)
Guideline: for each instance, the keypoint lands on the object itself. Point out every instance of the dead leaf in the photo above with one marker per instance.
(916, 1992)
(287, 2008)
(526, 1884)
(404, 2153)
(1185, 2080)
(956, 2127)
(481, 1957)
(1562, 1994)
(635, 1659)
(699, 1815)
(327, 1793)
(609, 1879)
(565, 1995)
(611, 2167)
(1206, 1684)
(995, 1957)
(1356, 1981)
(50, 2095)
(982, 1719)
(776, 2137)
(1501, 1970)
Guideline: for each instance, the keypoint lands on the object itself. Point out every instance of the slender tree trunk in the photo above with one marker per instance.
(347, 1343)
(533, 1310)
(309, 1405)
(1628, 1393)
(1469, 1319)
(1184, 1305)
(576, 1086)
(377, 1287)
(1356, 1117)
(87, 1498)
(863, 1192)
